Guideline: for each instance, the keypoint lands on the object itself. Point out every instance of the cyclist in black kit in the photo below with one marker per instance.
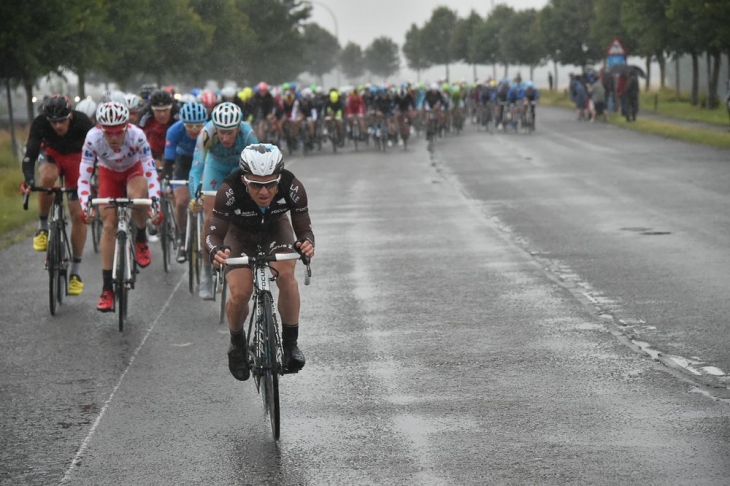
(56, 139)
(250, 210)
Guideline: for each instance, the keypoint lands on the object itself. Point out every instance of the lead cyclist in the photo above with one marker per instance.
(250, 211)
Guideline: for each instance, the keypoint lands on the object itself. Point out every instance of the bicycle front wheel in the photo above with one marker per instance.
(192, 255)
(120, 283)
(224, 293)
(54, 274)
(270, 378)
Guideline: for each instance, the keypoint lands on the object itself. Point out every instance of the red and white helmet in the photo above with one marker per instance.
(112, 113)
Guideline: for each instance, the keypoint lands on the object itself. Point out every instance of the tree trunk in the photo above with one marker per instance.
(647, 82)
(474, 67)
(28, 86)
(713, 98)
(695, 79)
(11, 120)
(447, 73)
(532, 72)
(662, 60)
(494, 71)
(82, 84)
(418, 75)
(676, 74)
(506, 70)
(555, 70)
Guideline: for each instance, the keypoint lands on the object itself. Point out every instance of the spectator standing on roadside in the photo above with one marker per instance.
(598, 95)
(581, 98)
(550, 80)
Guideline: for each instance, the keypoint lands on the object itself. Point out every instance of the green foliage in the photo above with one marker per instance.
(352, 62)
(321, 50)
(459, 43)
(12, 215)
(415, 50)
(519, 44)
(381, 57)
(436, 36)
(566, 24)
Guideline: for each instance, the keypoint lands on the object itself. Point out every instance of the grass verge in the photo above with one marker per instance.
(699, 135)
(15, 223)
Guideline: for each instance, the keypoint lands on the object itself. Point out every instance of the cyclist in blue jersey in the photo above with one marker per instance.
(217, 152)
(179, 148)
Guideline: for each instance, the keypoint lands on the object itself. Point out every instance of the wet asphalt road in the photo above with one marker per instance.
(500, 312)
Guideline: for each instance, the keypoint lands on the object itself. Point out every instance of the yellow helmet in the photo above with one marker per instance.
(334, 96)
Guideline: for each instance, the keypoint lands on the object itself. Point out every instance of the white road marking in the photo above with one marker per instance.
(87, 440)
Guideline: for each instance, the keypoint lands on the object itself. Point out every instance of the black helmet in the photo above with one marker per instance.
(146, 90)
(160, 97)
(57, 107)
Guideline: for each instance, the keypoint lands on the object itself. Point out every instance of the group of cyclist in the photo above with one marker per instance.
(128, 143)
(188, 141)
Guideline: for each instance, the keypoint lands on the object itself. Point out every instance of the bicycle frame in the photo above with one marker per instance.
(263, 331)
(123, 257)
(58, 252)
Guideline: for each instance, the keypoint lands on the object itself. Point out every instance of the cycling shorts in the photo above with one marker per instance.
(214, 173)
(113, 183)
(68, 168)
(181, 172)
(278, 240)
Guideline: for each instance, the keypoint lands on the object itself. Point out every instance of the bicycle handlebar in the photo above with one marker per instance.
(180, 182)
(276, 257)
(122, 200)
(47, 190)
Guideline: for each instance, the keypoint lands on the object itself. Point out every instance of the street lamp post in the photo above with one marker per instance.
(337, 31)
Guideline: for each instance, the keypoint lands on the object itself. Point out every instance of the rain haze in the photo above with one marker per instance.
(362, 23)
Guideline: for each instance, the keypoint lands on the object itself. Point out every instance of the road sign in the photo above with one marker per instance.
(614, 60)
(616, 48)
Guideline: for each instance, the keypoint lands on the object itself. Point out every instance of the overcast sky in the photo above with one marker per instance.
(363, 21)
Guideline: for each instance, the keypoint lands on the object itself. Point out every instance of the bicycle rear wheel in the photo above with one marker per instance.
(270, 376)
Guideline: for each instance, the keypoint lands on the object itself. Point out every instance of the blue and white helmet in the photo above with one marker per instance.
(193, 113)
(261, 159)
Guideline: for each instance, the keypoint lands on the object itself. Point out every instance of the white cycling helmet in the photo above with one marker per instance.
(134, 101)
(112, 113)
(261, 159)
(226, 115)
(87, 106)
(307, 93)
(118, 96)
(228, 92)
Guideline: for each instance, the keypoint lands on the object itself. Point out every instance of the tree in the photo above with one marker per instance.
(484, 44)
(351, 62)
(27, 44)
(437, 37)
(381, 57)
(520, 42)
(496, 28)
(566, 24)
(460, 40)
(276, 53)
(646, 21)
(415, 51)
(691, 31)
(321, 51)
